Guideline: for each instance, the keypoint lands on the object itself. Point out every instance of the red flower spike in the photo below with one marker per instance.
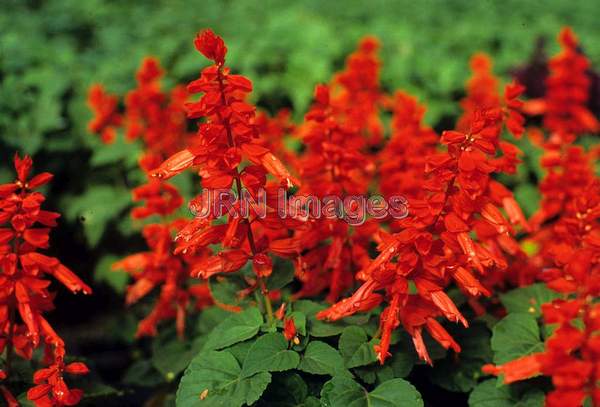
(567, 92)
(27, 287)
(227, 137)
(445, 230)
(567, 250)
(106, 117)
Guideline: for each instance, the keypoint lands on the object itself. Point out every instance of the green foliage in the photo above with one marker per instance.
(518, 334)
(269, 353)
(355, 347)
(528, 299)
(96, 208)
(488, 394)
(234, 329)
(460, 372)
(114, 278)
(321, 358)
(219, 374)
(343, 392)
(52, 51)
(171, 355)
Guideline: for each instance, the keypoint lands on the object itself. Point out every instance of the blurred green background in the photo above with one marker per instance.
(52, 51)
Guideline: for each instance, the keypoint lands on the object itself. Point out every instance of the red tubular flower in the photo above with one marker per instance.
(402, 160)
(435, 241)
(289, 330)
(160, 268)
(156, 116)
(482, 90)
(519, 369)
(228, 135)
(567, 233)
(356, 90)
(338, 130)
(567, 92)
(159, 120)
(106, 117)
(51, 389)
(24, 287)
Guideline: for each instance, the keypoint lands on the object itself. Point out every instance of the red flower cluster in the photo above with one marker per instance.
(228, 135)
(161, 267)
(434, 245)
(461, 226)
(160, 121)
(24, 294)
(567, 235)
(567, 92)
(106, 116)
(482, 90)
(338, 130)
(157, 117)
(402, 160)
(331, 166)
(570, 259)
(357, 93)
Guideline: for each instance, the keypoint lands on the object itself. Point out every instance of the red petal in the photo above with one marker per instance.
(77, 368)
(40, 180)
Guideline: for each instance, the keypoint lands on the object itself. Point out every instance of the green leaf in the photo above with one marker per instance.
(402, 361)
(345, 392)
(287, 389)
(283, 274)
(227, 288)
(209, 318)
(217, 376)
(115, 278)
(516, 335)
(170, 355)
(488, 394)
(118, 151)
(460, 372)
(528, 299)
(234, 329)
(143, 373)
(320, 358)
(355, 348)
(240, 350)
(316, 327)
(269, 354)
(95, 208)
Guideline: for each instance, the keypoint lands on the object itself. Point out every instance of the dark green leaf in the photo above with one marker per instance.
(355, 348)
(269, 353)
(345, 392)
(460, 372)
(488, 394)
(320, 358)
(234, 329)
(516, 335)
(528, 299)
(283, 274)
(217, 377)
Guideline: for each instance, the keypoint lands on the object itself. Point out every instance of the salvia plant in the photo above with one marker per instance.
(341, 259)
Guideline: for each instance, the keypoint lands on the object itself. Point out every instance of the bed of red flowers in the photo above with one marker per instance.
(307, 309)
